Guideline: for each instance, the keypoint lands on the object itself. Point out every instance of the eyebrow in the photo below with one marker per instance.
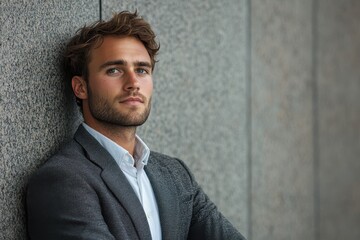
(124, 63)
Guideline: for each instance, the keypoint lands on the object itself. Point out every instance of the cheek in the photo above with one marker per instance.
(105, 86)
(149, 90)
(150, 86)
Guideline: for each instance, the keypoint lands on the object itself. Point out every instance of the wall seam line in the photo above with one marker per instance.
(100, 10)
(249, 118)
(316, 153)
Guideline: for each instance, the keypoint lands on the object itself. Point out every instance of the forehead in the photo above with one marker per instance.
(119, 47)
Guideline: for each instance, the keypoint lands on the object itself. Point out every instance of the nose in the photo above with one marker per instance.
(132, 82)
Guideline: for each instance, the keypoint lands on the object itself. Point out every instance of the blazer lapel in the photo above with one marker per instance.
(168, 204)
(115, 179)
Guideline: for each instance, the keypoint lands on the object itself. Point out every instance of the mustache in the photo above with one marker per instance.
(134, 94)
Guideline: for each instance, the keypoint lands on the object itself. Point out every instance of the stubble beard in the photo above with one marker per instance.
(105, 112)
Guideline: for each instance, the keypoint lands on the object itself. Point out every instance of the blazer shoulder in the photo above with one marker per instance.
(70, 161)
(174, 165)
(70, 153)
(164, 160)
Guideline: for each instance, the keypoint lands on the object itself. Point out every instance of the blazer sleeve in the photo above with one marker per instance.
(62, 205)
(207, 222)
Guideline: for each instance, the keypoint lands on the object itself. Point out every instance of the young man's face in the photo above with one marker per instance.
(119, 85)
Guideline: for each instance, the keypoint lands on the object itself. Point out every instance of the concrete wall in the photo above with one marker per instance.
(338, 87)
(260, 98)
(281, 103)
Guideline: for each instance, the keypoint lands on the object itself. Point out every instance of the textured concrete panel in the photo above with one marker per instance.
(339, 118)
(35, 115)
(199, 102)
(282, 144)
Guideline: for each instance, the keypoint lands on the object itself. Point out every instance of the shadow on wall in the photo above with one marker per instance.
(38, 116)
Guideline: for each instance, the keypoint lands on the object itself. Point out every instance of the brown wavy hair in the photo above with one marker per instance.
(77, 51)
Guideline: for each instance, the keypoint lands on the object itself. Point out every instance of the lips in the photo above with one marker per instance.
(132, 100)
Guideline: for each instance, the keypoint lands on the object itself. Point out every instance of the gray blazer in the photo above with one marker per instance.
(81, 193)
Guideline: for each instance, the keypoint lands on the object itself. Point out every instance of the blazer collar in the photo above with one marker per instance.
(168, 204)
(115, 180)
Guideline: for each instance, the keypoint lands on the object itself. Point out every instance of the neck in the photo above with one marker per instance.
(123, 136)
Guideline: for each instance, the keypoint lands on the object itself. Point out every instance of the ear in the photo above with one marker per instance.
(79, 87)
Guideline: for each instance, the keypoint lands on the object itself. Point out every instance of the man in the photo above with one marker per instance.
(106, 184)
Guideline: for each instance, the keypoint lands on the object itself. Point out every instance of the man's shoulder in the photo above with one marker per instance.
(68, 152)
(174, 165)
(163, 159)
(69, 159)
(160, 156)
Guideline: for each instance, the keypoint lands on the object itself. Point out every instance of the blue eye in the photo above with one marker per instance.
(142, 71)
(112, 71)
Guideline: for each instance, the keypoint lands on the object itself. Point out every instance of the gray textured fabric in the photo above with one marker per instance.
(80, 193)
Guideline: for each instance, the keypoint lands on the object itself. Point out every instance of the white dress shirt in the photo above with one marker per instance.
(133, 169)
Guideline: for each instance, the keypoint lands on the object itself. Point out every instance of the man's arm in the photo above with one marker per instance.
(207, 222)
(62, 205)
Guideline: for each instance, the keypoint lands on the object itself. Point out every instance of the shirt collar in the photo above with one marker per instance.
(121, 156)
